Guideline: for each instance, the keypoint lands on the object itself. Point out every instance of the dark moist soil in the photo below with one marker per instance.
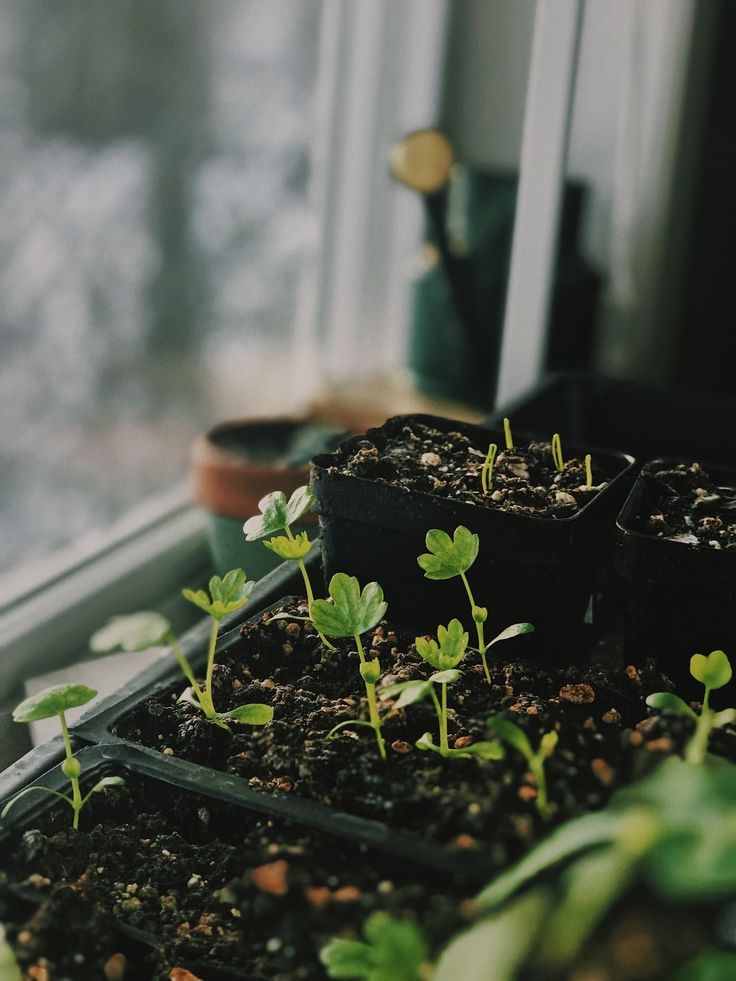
(237, 894)
(422, 458)
(481, 808)
(686, 505)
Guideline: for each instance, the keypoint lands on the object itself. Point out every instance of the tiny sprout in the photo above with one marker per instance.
(350, 613)
(507, 434)
(9, 970)
(713, 672)
(559, 460)
(486, 473)
(56, 701)
(444, 658)
(279, 514)
(450, 557)
(139, 631)
(393, 950)
(588, 472)
(515, 737)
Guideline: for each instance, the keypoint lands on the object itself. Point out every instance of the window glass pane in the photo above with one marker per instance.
(154, 224)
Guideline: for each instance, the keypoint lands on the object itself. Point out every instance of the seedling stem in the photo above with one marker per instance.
(479, 621)
(588, 471)
(557, 452)
(486, 474)
(507, 434)
(370, 690)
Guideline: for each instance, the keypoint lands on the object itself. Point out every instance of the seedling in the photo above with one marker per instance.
(139, 631)
(450, 557)
(557, 456)
(444, 658)
(515, 737)
(350, 613)
(486, 473)
(588, 472)
(278, 514)
(713, 672)
(56, 701)
(393, 950)
(507, 434)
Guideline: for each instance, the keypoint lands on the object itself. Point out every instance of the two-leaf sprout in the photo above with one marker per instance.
(278, 515)
(56, 702)
(444, 657)
(139, 631)
(393, 950)
(515, 737)
(451, 557)
(350, 612)
(713, 672)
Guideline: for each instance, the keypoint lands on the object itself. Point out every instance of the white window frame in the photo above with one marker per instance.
(380, 76)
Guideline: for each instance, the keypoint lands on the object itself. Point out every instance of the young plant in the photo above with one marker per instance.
(444, 658)
(279, 514)
(450, 557)
(713, 672)
(350, 613)
(507, 434)
(557, 456)
(139, 631)
(56, 701)
(486, 473)
(393, 950)
(588, 472)
(515, 737)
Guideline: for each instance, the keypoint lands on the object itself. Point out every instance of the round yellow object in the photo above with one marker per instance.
(423, 160)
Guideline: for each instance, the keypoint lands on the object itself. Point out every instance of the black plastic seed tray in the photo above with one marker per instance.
(643, 420)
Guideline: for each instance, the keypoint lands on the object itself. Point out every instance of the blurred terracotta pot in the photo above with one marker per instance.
(237, 463)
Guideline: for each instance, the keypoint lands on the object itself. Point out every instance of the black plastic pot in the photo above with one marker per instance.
(645, 421)
(678, 599)
(542, 570)
(130, 762)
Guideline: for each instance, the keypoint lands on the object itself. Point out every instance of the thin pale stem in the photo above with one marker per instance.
(370, 690)
(507, 434)
(479, 628)
(77, 802)
(308, 589)
(185, 666)
(537, 768)
(698, 745)
(444, 745)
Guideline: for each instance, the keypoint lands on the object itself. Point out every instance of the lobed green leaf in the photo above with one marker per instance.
(133, 632)
(351, 611)
(714, 670)
(277, 514)
(290, 549)
(448, 557)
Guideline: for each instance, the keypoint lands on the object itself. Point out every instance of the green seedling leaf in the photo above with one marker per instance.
(666, 701)
(723, 718)
(277, 514)
(226, 595)
(134, 632)
(511, 734)
(713, 671)
(350, 612)
(479, 614)
(52, 701)
(485, 750)
(513, 631)
(448, 557)
(447, 677)
(254, 714)
(394, 950)
(426, 742)
(428, 649)
(409, 692)
(106, 782)
(547, 743)
(290, 549)
(453, 642)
